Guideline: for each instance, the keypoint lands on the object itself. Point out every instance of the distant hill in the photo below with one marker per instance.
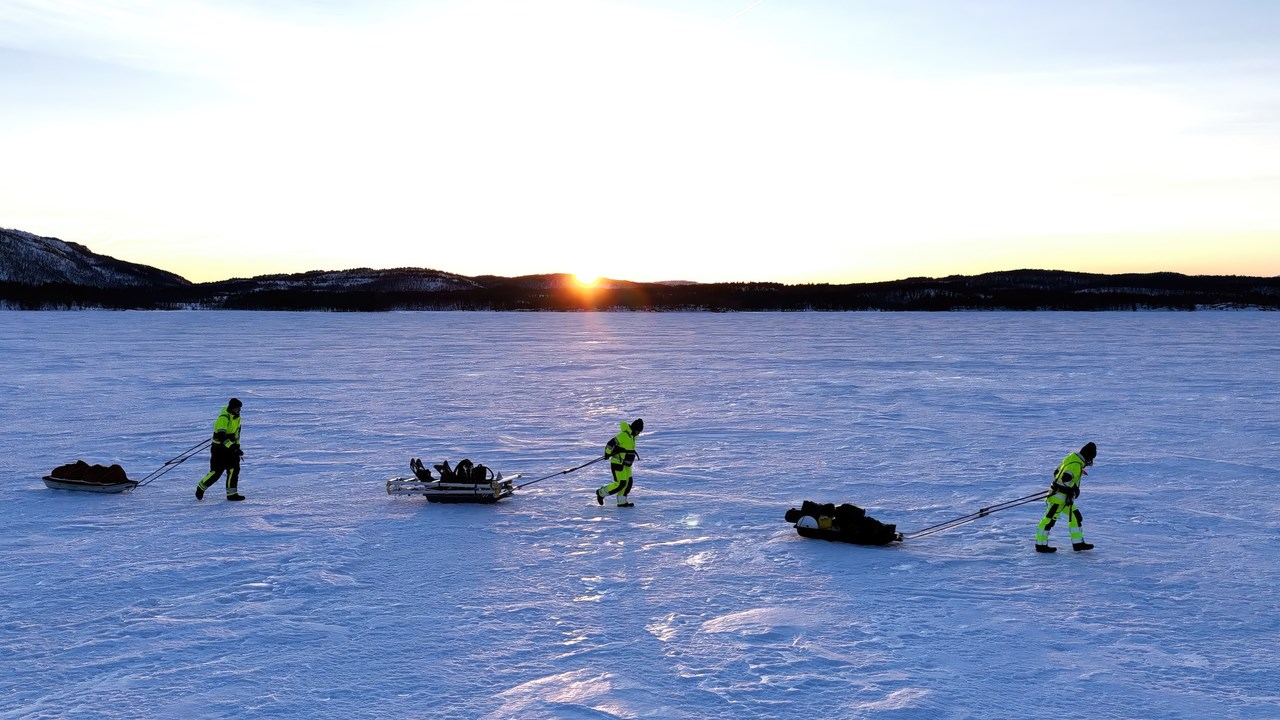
(359, 279)
(28, 259)
(38, 272)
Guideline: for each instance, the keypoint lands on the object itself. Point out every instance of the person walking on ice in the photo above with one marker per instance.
(1062, 498)
(225, 452)
(621, 451)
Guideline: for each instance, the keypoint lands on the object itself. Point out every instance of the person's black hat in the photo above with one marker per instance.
(637, 426)
(234, 403)
(1089, 451)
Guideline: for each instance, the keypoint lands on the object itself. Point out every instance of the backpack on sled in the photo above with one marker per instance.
(464, 472)
(420, 472)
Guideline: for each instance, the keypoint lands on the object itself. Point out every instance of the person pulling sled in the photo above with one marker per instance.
(225, 452)
(1062, 497)
(621, 451)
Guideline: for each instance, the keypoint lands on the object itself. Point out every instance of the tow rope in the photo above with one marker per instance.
(982, 512)
(563, 472)
(174, 462)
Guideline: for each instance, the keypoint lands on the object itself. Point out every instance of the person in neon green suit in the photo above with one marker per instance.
(225, 452)
(621, 451)
(1062, 498)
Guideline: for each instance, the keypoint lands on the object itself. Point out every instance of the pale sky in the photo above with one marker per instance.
(708, 140)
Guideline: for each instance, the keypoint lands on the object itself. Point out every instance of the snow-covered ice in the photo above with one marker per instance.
(323, 597)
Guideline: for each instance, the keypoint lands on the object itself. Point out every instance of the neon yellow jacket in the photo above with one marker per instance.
(226, 429)
(1066, 479)
(623, 444)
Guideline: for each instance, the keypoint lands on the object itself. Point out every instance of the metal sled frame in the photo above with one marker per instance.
(454, 492)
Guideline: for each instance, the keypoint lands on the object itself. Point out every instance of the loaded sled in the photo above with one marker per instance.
(465, 483)
(842, 523)
(84, 477)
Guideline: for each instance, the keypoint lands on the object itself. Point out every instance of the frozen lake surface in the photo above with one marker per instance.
(323, 597)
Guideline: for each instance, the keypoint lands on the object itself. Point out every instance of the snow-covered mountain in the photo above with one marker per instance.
(358, 279)
(29, 259)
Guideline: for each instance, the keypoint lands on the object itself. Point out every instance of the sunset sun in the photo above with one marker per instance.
(586, 279)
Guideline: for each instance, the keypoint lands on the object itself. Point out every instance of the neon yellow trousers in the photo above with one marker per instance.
(1056, 507)
(621, 485)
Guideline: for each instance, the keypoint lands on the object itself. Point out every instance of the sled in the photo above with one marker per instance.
(89, 478)
(441, 491)
(88, 485)
(844, 523)
(84, 477)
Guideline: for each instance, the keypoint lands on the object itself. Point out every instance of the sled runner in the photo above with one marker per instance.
(466, 483)
(84, 477)
(843, 523)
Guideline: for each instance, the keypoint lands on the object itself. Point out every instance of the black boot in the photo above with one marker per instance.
(237, 496)
(1081, 546)
(1046, 548)
(199, 492)
(599, 498)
